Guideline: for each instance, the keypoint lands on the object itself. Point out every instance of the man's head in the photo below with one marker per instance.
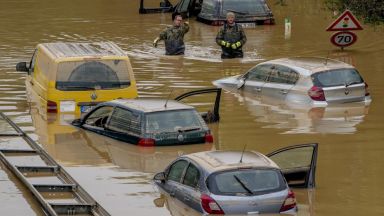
(177, 19)
(230, 18)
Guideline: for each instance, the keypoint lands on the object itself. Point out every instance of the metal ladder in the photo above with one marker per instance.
(56, 191)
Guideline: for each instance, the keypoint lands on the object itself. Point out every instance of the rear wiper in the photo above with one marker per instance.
(243, 185)
(187, 129)
(351, 83)
(238, 12)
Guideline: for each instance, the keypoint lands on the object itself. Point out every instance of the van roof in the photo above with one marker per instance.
(96, 49)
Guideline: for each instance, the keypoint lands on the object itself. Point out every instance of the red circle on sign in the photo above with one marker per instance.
(343, 38)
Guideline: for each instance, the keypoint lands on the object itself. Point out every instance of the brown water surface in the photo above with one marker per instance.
(350, 169)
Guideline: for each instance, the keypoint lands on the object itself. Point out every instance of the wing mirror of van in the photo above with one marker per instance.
(22, 66)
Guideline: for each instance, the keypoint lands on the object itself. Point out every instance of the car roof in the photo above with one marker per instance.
(97, 49)
(213, 161)
(151, 105)
(310, 64)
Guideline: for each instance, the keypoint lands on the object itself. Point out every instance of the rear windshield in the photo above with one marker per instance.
(339, 77)
(246, 181)
(85, 75)
(174, 121)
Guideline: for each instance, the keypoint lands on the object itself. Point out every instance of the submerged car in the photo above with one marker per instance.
(151, 122)
(73, 77)
(302, 80)
(234, 182)
(248, 12)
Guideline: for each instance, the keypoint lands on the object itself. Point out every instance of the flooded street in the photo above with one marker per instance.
(350, 169)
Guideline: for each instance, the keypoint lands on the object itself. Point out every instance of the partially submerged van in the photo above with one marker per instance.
(74, 77)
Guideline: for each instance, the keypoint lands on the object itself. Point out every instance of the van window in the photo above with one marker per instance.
(246, 7)
(125, 121)
(83, 75)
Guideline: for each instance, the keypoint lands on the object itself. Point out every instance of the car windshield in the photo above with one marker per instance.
(85, 75)
(174, 121)
(245, 7)
(338, 77)
(246, 182)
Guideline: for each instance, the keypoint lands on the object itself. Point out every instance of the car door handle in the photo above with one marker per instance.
(258, 89)
(172, 193)
(283, 91)
(187, 198)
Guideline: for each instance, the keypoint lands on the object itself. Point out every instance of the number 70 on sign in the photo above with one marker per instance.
(343, 38)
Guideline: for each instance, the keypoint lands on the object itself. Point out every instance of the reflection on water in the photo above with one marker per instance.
(296, 119)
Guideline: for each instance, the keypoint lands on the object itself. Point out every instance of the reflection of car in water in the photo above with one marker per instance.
(72, 77)
(213, 12)
(149, 122)
(210, 182)
(295, 118)
(315, 82)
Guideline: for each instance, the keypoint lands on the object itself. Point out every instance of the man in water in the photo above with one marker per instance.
(231, 38)
(173, 36)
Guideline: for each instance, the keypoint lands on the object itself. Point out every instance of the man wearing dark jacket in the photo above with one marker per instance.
(231, 38)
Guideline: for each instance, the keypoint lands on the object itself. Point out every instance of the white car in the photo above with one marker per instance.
(313, 81)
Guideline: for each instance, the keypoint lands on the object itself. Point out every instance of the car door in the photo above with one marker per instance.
(174, 175)
(279, 82)
(298, 164)
(255, 79)
(190, 190)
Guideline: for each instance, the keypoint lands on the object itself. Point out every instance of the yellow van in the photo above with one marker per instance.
(74, 77)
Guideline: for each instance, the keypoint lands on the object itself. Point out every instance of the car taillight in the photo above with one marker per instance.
(366, 90)
(289, 202)
(316, 93)
(146, 142)
(210, 205)
(51, 107)
(208, 138)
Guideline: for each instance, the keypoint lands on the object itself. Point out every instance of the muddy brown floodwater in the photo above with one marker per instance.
(350, 169)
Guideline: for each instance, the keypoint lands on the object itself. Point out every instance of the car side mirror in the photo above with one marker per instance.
(22, 66)
(160, 176)
(241, 82)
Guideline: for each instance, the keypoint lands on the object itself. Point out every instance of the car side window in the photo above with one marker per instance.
(125, 121)
(99, 117)
(283, 75)
(176, 170)
(259, 73)
(192, 176)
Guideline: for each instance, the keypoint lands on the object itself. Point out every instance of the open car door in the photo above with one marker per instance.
(211, 115)
(298, 164)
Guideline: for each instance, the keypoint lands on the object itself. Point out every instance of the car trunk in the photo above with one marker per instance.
(343, 94)
(266, 203)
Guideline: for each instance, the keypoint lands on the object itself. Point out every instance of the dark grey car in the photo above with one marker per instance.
(231, 182)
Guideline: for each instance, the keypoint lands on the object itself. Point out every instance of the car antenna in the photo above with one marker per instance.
(326, 58)
(241, 159)
(170, 93)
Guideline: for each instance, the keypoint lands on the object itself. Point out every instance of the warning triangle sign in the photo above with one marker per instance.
(345, 21)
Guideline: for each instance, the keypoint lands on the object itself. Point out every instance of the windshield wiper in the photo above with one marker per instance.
(242, 184)
(351, 83)
(238, 12)
(187, 129)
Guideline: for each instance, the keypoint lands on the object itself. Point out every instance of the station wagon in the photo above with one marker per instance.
(74, 77)
(235, 182)
(302, 80)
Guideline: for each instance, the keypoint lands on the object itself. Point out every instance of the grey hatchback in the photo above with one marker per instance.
(235, 182)
(312, 81)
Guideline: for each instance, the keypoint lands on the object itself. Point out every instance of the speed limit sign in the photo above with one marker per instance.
(343, 38)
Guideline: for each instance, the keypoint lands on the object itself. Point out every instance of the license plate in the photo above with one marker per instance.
(85, 109)
(248, 25)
